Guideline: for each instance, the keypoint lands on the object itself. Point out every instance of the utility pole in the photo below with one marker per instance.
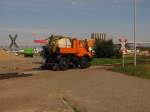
(134, 4)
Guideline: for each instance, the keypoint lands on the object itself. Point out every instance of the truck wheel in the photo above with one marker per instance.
(74, 62)
(56, 67)
(63, 64)
(84, 63)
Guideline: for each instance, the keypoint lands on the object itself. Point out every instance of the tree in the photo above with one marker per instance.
(104, 48)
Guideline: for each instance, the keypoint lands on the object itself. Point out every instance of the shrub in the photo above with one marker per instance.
(117, 53)
(105, 49)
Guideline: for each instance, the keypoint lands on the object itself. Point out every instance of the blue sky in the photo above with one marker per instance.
(33, 19)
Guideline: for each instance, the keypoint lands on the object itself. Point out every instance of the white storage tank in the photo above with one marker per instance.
(64, 43)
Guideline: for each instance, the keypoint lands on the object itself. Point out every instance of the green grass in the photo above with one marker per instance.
(110, 61)
(105, 61)
(113, 61)
(142, 71)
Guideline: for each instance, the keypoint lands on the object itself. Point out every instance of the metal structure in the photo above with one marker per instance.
(134, 4)
(123, 49)
(138, 45)
(13, 45)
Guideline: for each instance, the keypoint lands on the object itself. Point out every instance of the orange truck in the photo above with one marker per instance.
(61, 53)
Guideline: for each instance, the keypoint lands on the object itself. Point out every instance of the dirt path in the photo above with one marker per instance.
(90, 90)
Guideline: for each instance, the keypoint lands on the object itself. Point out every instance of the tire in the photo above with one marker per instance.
(84, 62)
(63, 64)
(56, 67)
(74, 62)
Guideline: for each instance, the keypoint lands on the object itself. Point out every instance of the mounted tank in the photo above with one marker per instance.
(59, 41)
(28, 52)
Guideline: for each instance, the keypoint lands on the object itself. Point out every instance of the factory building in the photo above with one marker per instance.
(98, 36)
